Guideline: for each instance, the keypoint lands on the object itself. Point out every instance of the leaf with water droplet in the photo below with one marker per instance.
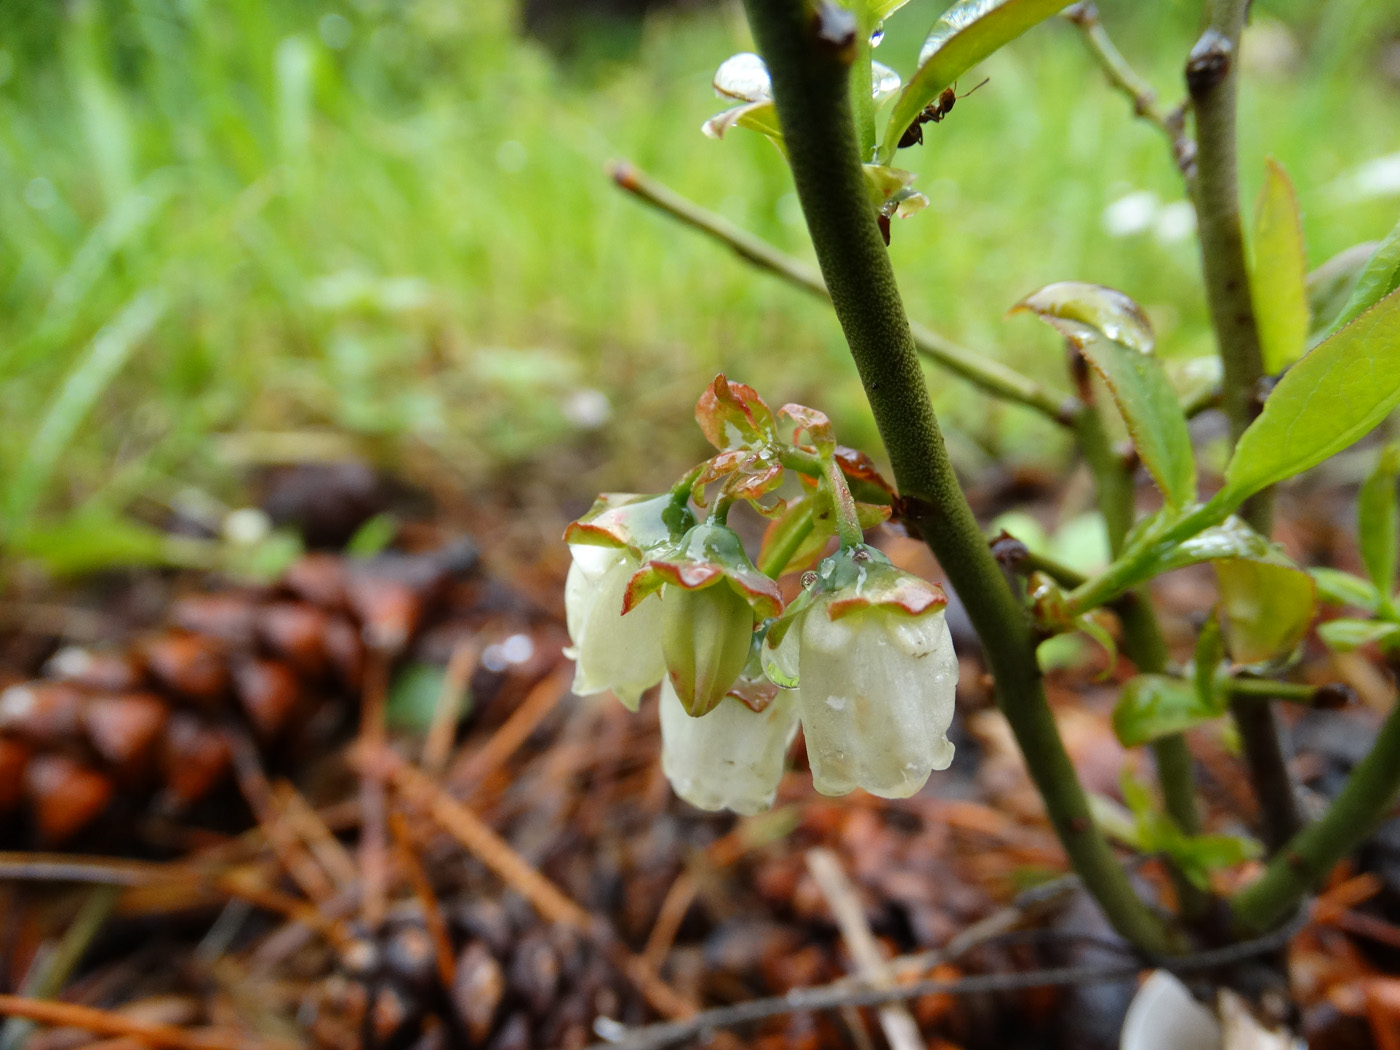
(884, 82)
(1113, 334)
(964, 35)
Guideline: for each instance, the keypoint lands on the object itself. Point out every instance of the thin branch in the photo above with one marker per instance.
(979, 369)
(808, 59)
(1171, 123)
(1308, 856)
(1212, 78)
(830, 997)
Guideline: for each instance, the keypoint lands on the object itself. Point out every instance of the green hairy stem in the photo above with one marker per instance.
(1212, 80)
(808, 56)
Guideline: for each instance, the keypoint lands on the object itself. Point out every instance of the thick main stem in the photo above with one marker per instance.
(808, 58)
(1212, 80)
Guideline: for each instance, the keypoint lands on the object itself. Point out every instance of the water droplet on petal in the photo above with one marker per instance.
(809, 580)
(878, 36)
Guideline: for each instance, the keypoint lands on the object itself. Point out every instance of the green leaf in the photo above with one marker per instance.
(1336, 587)
(1198, 855)
(98, 365)
(91, 541)
(373, 536)
(1379, 277)
(1147, 556)
(1336, 394)
(1330, 286)
(1376, 520)
(891, 191)
(1113, 334)
(1278, 280)
(879, 10)
(964, 35)
(1210, 653)
(414, 696)
(1152, 706)
(1143, 826)
(1346, 635)
(1266, 606)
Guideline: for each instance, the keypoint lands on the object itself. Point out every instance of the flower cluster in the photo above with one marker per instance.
(862, 659)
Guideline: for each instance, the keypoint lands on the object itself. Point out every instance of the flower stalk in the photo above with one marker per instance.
(808, 58)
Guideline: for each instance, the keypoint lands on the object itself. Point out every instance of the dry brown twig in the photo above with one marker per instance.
(104, 1022)
(471, 769)
(896, 1021)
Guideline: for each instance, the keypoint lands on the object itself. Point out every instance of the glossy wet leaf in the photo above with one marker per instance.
(1327, 401)
(732, 415)
(756, 116)
(1152, 706)
(1068, 305)
(1378, 278)
(1278, 280)
(1342, 588)
(1265, 608)
(964, 35)
(1147, 557)
(1347, 634)
(1113, 334)
(891, 191)
(1376, 520)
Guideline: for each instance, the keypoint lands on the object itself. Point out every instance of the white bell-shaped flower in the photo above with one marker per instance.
(612, 651)
(876, 696)
(869, 655)
(730, 758)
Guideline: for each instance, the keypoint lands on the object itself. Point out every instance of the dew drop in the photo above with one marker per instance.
(809, 580)
(877, 37)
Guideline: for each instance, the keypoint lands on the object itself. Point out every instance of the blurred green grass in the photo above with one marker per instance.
(224, 222)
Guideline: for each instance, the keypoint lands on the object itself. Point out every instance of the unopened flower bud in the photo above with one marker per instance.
(713, 596)
(705, 636)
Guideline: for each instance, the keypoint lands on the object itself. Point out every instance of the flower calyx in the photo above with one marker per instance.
(640, 524)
